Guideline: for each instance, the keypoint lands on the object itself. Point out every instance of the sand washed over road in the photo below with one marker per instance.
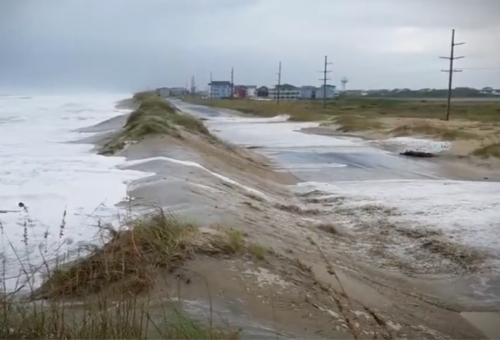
(420, 193)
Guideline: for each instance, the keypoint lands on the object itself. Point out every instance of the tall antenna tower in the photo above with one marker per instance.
(344, 82)
(451, 70)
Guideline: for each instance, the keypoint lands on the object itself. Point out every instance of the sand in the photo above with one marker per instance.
(313, 285)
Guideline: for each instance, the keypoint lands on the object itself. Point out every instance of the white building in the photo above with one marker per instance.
(220, 89)
(308, 92)
(172, 91)
(285, 92)
(251, 91)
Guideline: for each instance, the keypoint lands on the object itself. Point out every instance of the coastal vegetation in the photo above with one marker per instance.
(492, 150)
(472, 120)
(303, 110)
(109, 292)
(152, 116)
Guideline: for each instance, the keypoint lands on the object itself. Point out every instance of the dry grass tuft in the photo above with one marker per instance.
(229, 242)
(126, 260)
(257, 251)
(425, 129)
(492, 150)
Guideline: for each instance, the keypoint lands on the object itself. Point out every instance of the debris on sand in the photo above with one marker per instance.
(329, 228)
(413, 153)
(292, 208)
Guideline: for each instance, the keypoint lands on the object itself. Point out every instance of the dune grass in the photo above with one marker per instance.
(426, 129)
(153, 116)
(351, 123)
(106, 293)
(128, 259)
(257, 251)
(121, 317)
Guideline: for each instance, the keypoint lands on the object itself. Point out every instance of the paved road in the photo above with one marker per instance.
(312, 157)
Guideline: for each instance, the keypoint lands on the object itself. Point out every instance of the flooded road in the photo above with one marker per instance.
(311, 157)
(421, 192)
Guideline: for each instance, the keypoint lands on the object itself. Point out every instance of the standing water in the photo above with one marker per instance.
(65, 188)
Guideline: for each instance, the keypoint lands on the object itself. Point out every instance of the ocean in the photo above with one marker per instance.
(66, 189)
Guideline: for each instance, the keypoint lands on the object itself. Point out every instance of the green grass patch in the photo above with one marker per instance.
(492, 150)
(304, 110)
(257, 251)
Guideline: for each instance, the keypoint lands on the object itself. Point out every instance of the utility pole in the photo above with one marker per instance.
(279, 84)
(210, 87)
(451, 70)
(325, 79)
(193, 85)
(232, 82)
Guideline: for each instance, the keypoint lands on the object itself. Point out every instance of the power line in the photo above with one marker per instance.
(451, 70)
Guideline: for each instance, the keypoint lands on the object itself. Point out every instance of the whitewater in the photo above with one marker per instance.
(66, 189)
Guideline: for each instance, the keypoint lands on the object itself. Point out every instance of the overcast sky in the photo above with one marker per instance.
(133, 44)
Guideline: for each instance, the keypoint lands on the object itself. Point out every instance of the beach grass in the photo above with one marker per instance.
(127, 259)
(105, 294)
(259, 252)
(153, 116)
(101, 317)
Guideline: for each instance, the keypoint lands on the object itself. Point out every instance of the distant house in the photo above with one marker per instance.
(240, 91)
(488, 90)
(251, 91)
(220, 89)
(178, 91)
(172, 91)
(285, 92)
(330, 91)
(308, 92)
(263, 92)
(163, 91)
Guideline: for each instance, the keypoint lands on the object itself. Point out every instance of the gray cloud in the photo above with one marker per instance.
(131, 44)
